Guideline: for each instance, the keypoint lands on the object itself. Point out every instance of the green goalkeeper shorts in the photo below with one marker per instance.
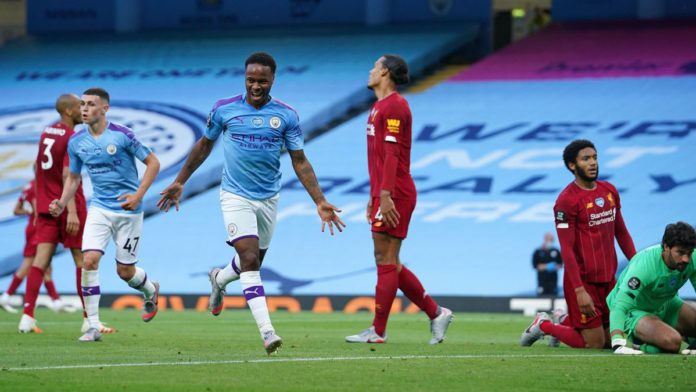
(669, 313)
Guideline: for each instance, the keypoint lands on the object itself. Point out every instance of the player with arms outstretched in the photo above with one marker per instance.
(254, 127)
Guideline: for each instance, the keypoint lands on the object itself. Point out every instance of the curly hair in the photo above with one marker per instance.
(570, 153)
(679, 234)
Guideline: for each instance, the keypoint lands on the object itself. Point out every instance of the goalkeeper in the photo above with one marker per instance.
(644, 304)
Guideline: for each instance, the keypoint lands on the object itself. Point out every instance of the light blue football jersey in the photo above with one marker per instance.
(110, 163)
(252, 142)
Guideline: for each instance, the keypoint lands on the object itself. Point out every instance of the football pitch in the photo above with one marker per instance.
(195, 351)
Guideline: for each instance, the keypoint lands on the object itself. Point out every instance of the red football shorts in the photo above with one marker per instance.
(405, 209)
(29, 241)
(598, 292)
(53, 230)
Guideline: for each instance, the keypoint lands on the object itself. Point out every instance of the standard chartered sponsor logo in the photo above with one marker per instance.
(602, 217)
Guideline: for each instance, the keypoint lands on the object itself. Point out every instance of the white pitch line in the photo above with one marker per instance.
(318, 359)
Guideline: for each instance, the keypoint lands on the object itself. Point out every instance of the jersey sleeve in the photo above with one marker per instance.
(394, 119)
(293, 135)
(75, 161)
(627, 294)
(135, 147)
(623, 237)
(565, 216)
(66, 160)
(214, 125)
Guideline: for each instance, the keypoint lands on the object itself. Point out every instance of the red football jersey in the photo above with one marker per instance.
(389, 135)
(27, 197)
(587, 221)
(50, 161)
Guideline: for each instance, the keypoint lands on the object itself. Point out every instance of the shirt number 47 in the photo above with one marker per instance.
(131, 244)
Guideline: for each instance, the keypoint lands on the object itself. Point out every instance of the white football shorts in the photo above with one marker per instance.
(249, 218)
(103, 225)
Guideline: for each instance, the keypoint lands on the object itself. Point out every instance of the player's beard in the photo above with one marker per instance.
(586, 177)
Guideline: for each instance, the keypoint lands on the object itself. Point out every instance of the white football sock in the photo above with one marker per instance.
(91, 294)
(140, 282)
(229, 273)
(252, 288)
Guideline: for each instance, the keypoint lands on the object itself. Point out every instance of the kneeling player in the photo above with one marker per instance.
(645, 304)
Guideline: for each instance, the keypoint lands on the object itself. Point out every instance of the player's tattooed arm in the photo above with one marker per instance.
(305, 173)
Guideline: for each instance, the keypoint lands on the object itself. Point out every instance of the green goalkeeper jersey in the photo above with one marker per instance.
(646, 284)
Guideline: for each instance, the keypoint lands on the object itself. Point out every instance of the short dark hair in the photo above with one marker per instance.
(99, 92)
(262, 58)
(679, 234)
(570, 153)
(398, 69)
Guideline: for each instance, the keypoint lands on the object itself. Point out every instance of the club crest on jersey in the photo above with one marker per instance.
(610, 198)
(111, 149)
(275, 122)
(257, 122)
(634, 283)
(599, 201)
(673, 282)
(231, 229)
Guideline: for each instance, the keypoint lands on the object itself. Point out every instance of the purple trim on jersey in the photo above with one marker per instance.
(122, 263)
(93, 250)
(121, 128)
(253, 292)
(231, 243)
(89, 291)
(285, 105)
(234, 266)
(226, 101)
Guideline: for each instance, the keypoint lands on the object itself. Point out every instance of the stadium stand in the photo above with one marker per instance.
(164, 85)
(486, 156)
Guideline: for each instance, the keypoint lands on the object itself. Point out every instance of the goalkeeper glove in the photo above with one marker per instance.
(619, 347)
(691, 350)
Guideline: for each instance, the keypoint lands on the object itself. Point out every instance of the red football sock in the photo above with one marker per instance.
(34, 280)
(385, 292)
(16, 281)
(412, 287)
(565, 334)
(78, 276)
(51, 289)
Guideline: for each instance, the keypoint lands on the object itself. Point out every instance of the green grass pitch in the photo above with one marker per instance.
(186, 351)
